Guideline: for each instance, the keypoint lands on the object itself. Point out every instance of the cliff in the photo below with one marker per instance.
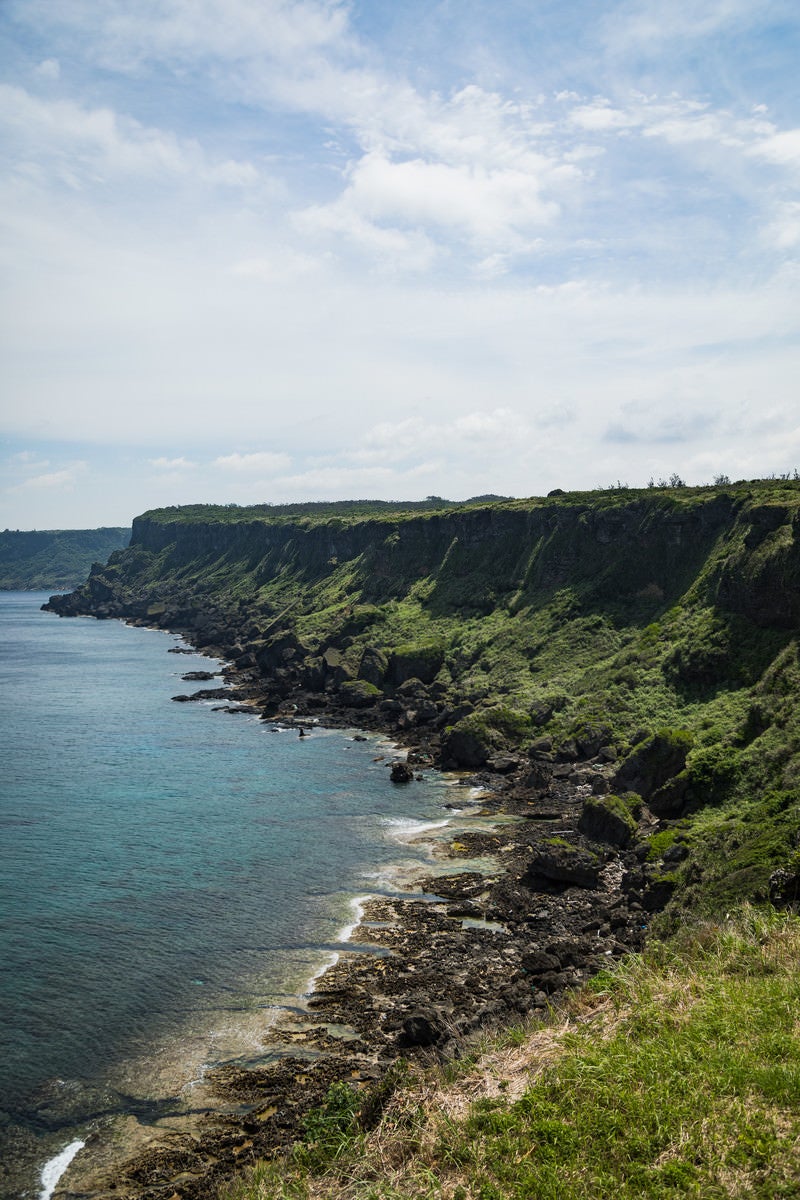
(32, 560)
(656, 629)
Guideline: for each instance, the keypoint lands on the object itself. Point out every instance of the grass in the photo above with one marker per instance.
(676, 1075)
(595, 619)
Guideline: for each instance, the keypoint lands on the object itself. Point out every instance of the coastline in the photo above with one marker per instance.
(466, 945)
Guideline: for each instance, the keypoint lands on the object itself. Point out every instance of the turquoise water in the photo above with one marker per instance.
(164, 867)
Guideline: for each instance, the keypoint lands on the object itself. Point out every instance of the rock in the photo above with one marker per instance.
(542, 745)
(536, 962)
(502, 764)
(416, 661)
(358, 693)
(539, 776)
(373, 666)
(784, 887)
(422, 1028)
(654, 762)
(608, 819)
(658, 893)
(197, 675)
(401, 772)
(565, 866)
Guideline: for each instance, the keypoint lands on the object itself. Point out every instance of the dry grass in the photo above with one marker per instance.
(677, 1075)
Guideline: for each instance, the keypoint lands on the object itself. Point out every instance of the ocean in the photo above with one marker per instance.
(171, 878)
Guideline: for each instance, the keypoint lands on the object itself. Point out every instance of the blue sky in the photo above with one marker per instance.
(272, 250)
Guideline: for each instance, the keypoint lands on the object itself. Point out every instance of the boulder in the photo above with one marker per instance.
(422, 1028)
(562, 866)
(401, 772)
(358, 693)
(654, 761)
(608, 819)
(373, 666)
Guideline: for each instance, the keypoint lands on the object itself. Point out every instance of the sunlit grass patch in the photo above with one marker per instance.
(677, 1074)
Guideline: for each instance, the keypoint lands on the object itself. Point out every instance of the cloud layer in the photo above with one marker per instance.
(262, 249)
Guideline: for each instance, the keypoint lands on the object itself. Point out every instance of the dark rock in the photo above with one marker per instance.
(416, 662)
(357, 693)
(566, 867)
(654, 762)
(502, 764)
(607, 819)
(539, 776)
(536, 962)
(197, 675)
(553, 981)
(421, 1029)
(658, 894)
(784, 887)
(401, 773)
(373, 666)
(465, 747)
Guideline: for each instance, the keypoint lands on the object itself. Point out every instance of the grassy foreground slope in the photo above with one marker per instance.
(677, 1075)
(54, 558)
(656, 627)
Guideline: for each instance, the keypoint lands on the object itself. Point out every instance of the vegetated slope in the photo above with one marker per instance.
(55, 558)
(677, 1074)
(657, 628)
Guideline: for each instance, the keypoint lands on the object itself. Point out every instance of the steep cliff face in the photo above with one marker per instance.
(584, 623)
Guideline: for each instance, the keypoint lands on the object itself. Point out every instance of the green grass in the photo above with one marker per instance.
(676, 1075)
(592, 618)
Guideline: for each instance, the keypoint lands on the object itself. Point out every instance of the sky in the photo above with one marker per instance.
(276, 250)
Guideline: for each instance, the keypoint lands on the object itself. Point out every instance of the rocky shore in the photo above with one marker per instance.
(569, 892)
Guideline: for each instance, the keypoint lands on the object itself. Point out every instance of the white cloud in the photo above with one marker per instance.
(49, 68)
(262, 461)
(783, 231)
(123, 37)
(783, 148)
(77, 142)
(652, 23)
(600, 115)
(63, 480)
(172, 464)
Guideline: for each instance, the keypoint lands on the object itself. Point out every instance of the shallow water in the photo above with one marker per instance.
(169, 874)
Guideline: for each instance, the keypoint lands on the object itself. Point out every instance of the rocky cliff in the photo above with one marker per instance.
(516, 635)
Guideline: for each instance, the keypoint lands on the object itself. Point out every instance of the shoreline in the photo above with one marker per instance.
(425, 968)
(293, 1028)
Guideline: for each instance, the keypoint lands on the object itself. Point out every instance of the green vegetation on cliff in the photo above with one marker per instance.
(55, 558)
(657, 628)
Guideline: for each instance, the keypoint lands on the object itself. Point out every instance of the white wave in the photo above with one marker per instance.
(55, 1168)
(346, 932)
(330, 961)
(404, 829)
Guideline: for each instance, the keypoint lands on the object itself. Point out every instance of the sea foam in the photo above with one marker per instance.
(55, 1168)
